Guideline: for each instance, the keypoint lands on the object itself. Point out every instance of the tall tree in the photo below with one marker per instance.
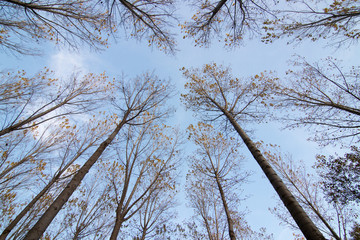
(324, 97)
(333, 20)
(145, 171)
(71, 147)
(217, 164)
(333, 219)
(213, 92)
(73, 22)
(209, 220)
(24, 161)
(24, 22)
(228, 20)
(52, 97)
(133, 100)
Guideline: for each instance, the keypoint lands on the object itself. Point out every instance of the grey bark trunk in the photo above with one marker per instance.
(13, 223)
(39, 228)
(307, 227)
(227, 212)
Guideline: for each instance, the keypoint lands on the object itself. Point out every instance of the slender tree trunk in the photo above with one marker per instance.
(14, 222)
(120, 210)
(39, 228)
(307, 227)
(143, 235)
(76, 235)
(227, 212)
(118, 223)
(335, 235)
(207, 226)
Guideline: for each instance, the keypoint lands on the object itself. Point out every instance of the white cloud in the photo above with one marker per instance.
(65, 63)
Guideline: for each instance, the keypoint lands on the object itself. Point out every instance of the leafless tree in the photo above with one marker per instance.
(71, 145)
(214, 93)
(217, 163)
(333, 219)
(323, 97)
(145, 172)
(70, 22)
(26, 102)
(134, 100)
(229, 20)
(334, 21)
(87, 21)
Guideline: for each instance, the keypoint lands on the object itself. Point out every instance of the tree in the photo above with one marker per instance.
(210, 218)
(90, 21)
(22, 154)
(341, 181)
(71, 144)
(215, 93)
(333, 20)
(144, 172)
(146, 19)
(85, 215)
(333, 219)
(52, 97)
(27, 104)
(229, 20)
(216, 163)
(69, 22)
(133, 100)
(23, 166)
(156, 213)
(324, 97)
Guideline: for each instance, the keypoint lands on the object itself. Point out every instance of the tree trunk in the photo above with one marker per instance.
(143, 235)
(39, 228)
(14, 222)
(118, 223)
(307, 227)
(227, 212)
(207, 227)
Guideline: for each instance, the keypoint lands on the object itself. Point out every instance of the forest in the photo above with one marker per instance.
(125, 152)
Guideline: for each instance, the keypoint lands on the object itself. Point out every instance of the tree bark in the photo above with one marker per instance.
(118, 223)
(39, 228)
(143, 235)
(307, 227)
(14, 222)
(227, 212)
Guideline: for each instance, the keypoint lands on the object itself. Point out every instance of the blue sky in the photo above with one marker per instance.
(131, 58)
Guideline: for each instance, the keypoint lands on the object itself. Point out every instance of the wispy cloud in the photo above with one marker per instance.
(65, 63)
